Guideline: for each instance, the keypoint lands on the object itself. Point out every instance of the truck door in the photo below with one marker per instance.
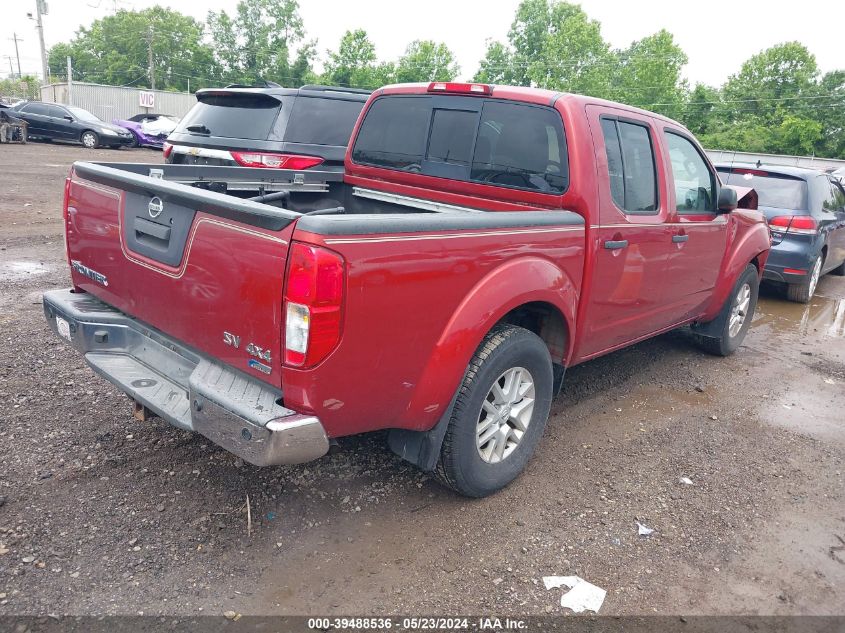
(699, 232)
(632, 233)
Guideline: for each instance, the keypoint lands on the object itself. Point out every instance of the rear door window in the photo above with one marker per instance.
(36, 108)
(318, 121)
(778, 191)
(241, 116)
(506, 144)
(629, 151)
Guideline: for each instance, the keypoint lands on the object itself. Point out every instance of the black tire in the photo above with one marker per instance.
(94, 143)
(461, 466)
(802, 293)
(134, 142)
(839, 271)
(725, 344)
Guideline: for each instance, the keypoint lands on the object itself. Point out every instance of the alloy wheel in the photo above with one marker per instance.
(505, 415)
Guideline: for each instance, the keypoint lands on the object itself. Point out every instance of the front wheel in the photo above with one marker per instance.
(90, 139)
(735, 317)
(499, 414)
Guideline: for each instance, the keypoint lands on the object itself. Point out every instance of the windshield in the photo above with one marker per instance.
(778, 191)
(82, 115)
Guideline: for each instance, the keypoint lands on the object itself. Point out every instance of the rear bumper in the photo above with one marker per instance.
(191, 392)
(792, 253)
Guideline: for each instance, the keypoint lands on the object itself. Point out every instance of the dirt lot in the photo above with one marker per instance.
(102, 514)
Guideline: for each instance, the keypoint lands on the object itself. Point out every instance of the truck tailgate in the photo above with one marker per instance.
(205, 268)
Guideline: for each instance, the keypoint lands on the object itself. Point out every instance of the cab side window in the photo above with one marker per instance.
(695, 186)
(630, 163)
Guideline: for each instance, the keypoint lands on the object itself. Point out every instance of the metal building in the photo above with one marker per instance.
(115, 102)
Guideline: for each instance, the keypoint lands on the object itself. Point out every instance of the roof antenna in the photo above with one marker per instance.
(759, 163)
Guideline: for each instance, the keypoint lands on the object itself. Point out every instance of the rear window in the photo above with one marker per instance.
(778, 191)
(233, 116)
(322, 121)
(493, 142)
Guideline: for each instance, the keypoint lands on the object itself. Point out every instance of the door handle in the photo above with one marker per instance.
(677, 239)
(615, 244)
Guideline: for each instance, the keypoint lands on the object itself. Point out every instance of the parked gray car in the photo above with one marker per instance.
(806, 213)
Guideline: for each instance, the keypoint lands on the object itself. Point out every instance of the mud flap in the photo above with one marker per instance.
(422, 448)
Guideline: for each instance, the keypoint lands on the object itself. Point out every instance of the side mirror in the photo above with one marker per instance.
(727, 200)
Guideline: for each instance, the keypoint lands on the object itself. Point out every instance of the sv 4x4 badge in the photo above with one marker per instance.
(253, 350)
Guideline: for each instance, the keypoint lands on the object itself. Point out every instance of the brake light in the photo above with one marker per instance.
(166, 150)
(275, 161)
(461, 88)
(66, 217)
(313, 304)
(796, 224)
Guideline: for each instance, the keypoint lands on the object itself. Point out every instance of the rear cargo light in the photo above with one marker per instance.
(462, 88)
(796, 224)
(313, 304)
(795, 271)
(275, 161)
(166, 150)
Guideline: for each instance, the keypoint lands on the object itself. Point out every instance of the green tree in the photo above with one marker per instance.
(702, 113)
(117, 50)
(356, 65)
(257, 43)
(648, 75)
(426, 60)
(497, 67)
(782, 74)
(553, 45)
(829, 108)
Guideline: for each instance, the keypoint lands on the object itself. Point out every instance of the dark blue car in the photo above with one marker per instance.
(806, 213)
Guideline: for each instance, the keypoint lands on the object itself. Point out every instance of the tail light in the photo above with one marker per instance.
(313, 304)
(166, 150)
(275, 161)
(794, 224)
(66, 216)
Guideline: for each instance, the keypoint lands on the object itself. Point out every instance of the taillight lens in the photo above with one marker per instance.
(313, 304)
(275, 161)
(798, 224)
(66, 216)
(166, 150)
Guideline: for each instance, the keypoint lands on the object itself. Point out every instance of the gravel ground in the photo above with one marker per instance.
(101, 514)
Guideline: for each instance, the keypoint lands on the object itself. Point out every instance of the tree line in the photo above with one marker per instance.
(778, 102)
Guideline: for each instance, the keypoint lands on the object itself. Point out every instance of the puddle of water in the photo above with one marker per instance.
(22, 269)
(822, 317)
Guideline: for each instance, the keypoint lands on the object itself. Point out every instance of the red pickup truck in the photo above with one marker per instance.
(482, 240)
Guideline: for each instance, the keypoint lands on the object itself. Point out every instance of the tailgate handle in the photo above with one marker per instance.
(153, 229)
(678, 239)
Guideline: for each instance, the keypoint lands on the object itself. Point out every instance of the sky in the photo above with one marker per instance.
(717, 35)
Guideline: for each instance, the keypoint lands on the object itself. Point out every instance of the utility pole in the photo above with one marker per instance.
(150, 61)
(11, 70)
(41, 9)
(69, 82)
(16, 39)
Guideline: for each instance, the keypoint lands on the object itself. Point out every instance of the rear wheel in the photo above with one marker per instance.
(736, 315)
(839, 271)
(90, 139)
(499, 414)
(802, 293)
